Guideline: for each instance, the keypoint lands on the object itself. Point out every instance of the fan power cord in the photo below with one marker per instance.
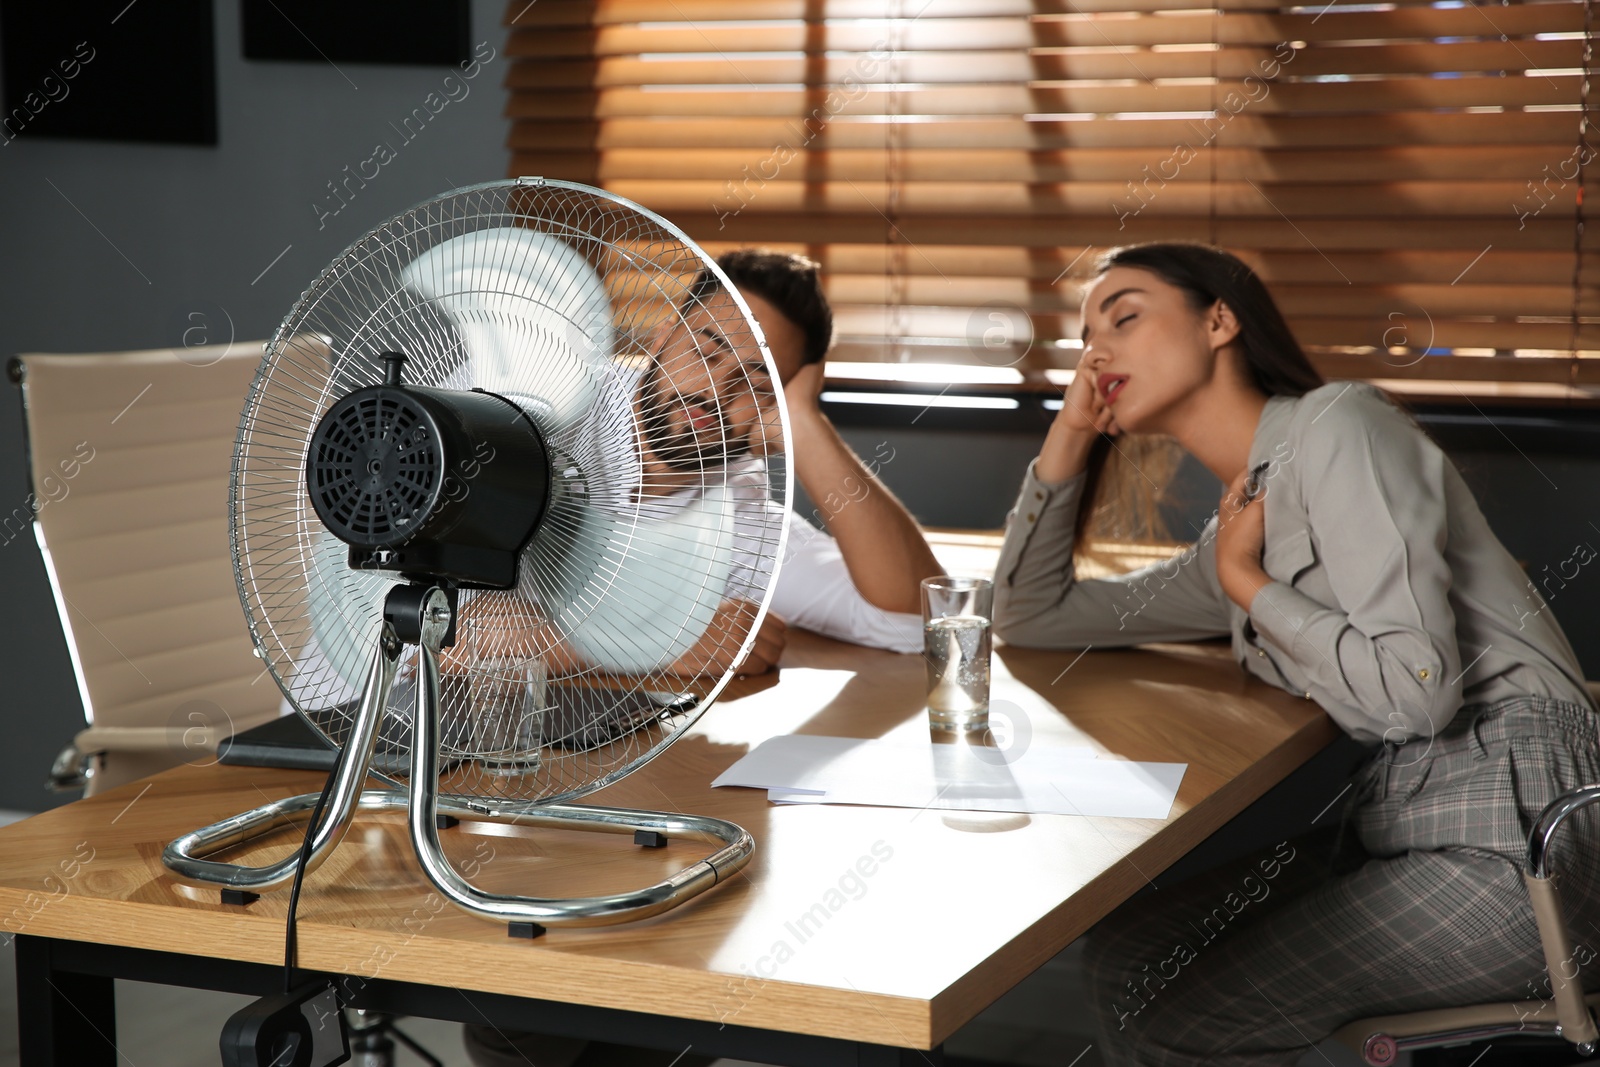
(278, 1029)
(289, 945)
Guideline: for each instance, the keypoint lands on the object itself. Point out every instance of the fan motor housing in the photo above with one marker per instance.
(432, 484)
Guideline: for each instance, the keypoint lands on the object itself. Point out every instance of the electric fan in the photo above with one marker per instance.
(487, 503)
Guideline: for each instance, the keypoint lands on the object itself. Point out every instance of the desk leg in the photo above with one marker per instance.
(64, 1019)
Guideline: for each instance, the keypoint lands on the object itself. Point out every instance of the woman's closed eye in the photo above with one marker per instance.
(1126, 318)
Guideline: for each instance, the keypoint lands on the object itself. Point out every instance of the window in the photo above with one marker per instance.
(1404, 175)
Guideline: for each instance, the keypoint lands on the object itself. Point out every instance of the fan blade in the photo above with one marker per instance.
(345, 609)
(533, 316)
(650, 588)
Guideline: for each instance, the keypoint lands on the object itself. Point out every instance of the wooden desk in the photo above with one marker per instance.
(853, 935)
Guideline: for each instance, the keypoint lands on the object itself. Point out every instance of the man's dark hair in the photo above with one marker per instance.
(790, 283)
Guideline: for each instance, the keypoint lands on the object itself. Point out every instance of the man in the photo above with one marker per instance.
(701, 416)
(706, 400)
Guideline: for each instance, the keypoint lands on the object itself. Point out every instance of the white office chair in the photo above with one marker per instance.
(1568, 1016)
(129, 456)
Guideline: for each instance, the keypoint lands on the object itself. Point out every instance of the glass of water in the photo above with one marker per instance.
(507, 699)
(955, 643)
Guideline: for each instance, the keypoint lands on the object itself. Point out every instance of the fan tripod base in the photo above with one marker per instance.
(423, 617)
(185, 856)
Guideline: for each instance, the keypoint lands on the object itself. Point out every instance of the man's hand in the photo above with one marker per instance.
(485, 630)
(802, 397)
(1241, 536)
(717, 647)
(803, 392)
(768, 649)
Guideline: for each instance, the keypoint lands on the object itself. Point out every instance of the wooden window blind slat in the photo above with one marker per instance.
(1337, 300)
(765, 136)
(1407, 163)
(589, 13)
(1549, 90)
(992, 34)
(1083, 64)
(1102, 231)
(1484, 199)
(921, 321)
(1046, 265)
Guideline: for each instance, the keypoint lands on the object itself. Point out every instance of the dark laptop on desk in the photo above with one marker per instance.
(290, 742)
(574, 721)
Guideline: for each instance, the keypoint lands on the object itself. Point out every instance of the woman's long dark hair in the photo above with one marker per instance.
(1273, 357)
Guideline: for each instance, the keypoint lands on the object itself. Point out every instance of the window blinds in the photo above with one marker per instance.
(1406, 176)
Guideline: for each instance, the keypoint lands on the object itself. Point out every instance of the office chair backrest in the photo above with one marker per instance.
(129, 455)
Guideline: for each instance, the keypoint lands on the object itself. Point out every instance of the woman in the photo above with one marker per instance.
(1350, 564)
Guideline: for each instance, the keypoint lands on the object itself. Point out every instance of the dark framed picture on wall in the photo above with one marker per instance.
(112, 71)
(408, 32)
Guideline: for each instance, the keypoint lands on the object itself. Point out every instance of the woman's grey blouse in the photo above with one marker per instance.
(1391, 602)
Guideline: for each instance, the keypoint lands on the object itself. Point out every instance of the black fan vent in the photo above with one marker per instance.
(375, 467)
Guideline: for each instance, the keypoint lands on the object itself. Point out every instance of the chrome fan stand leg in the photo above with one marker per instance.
(185, 856)
(577, 911)
(372, 1040)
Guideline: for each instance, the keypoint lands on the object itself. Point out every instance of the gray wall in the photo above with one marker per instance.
(112, 246)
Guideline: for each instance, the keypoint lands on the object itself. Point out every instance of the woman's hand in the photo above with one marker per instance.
(1083, 417)
(1241, 536)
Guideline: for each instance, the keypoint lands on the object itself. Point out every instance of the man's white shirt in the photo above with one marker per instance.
(813, 591)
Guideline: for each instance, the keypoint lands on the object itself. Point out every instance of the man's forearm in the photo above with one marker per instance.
(883, 547)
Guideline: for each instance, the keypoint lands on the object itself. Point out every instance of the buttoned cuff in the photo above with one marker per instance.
(1280, 612)
(1038, 498)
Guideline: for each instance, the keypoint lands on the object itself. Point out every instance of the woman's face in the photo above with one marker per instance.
(1148, 349)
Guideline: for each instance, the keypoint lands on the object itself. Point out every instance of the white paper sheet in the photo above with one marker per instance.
(1042, 779)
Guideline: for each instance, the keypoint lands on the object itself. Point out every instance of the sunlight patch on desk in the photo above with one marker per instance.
(752, 719)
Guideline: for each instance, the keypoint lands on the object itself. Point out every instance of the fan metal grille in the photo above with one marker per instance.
(597, 289)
